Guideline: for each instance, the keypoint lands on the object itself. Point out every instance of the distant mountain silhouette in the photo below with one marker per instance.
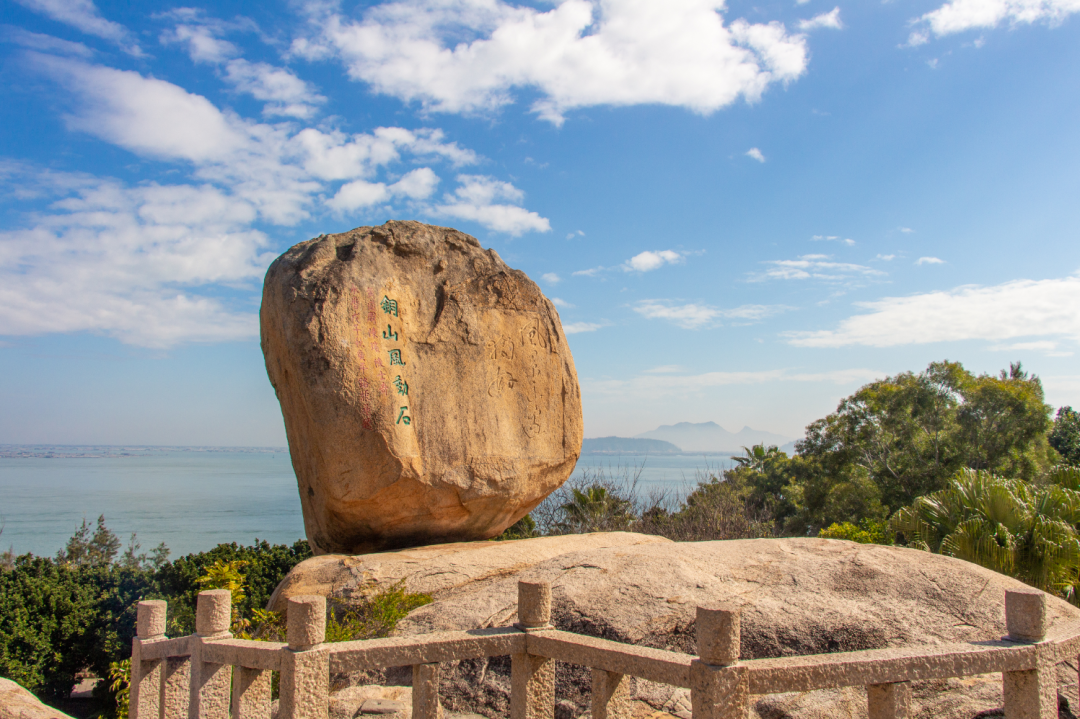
(711, 437)
(627, 445)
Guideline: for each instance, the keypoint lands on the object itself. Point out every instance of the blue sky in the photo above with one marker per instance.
(744, 211)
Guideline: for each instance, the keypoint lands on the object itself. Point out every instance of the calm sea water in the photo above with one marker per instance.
(195, 498)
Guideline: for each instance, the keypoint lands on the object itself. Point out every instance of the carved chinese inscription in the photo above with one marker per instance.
(374, 385)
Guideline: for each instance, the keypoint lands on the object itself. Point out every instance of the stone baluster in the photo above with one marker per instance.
(305, 664)
(719, 685)
(889, 701)
(1030, 694)
(425, 691)
(532, 678)
(251, 693)
(210, 682)
(147, 675)
(610, 695)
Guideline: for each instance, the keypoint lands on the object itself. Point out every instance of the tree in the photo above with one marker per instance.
(1004, 524)
(595, 509)
(1065, 436)
(908, 434)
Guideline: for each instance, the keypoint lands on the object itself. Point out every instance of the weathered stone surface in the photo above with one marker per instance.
(438, 568)
(427, 388)
(796, 596)
(18, 703)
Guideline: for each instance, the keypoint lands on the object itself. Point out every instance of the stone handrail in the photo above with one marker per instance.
(210, 675)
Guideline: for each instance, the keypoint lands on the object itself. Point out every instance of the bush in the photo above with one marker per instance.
(868, 531)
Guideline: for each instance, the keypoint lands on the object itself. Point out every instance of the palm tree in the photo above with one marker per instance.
(594, 509)
(757, 456)
(1010, 526)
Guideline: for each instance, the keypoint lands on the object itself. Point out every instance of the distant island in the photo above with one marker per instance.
(627, 445)
(688, 438)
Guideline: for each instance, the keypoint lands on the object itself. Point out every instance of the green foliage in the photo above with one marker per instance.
(1008, 525)
(372, 617)
(868, 531)
(266, 566)
(1065, 435)
(718, 508)
(904, 436)
(595, 509)
(77, 612)
(120, 686)
(524, 528)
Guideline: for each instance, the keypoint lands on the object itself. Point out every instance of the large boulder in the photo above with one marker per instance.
(797, 596)
(18, 703)
(427, 388)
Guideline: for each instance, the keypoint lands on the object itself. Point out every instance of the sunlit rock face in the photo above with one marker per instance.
(427, 388)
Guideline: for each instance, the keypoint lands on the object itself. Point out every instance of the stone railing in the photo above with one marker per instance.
(210, 675)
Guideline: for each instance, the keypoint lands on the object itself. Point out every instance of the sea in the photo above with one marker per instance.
(194, 498)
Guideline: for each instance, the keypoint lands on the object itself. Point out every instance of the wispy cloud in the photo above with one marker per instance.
(551, 278)
(574, 328)
(833, 238)
(472, 57)
(929, 261)
(814, 267)
(575, 234)
(693, 315)
(829, 19)
(654, 383)
(561, 303)
(84, 16)
(961, 15)
(1022, 308)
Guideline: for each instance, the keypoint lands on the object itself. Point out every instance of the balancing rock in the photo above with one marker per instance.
(427, 388)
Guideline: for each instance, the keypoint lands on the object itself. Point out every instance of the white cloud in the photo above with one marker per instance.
(591, 272)
(476, 199)
(648, 261)
(45, 43)
(125, 261)
(833, 238)
(471, 56)
(906, 230)
(665, 369)
(1021, 308)
(552, 278)
(829, 19)
(929, 261)
(154, 265)
(1048, 347)
(814, 267)
(84, 16)
(575, 328)
(755, 154)
(960, 15)
(285, 93)
(692, 316)
(886, 258)
(656, 383)
(561, 303)
(574, 234)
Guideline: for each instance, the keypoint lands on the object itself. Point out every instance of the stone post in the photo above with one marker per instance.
(147, 675)
(719, 685)
(1029, 694)
(532, 678)
(251, 693)
(888, 701)
(210, 681)
(425, 692)
(610, 695)
(305, 664)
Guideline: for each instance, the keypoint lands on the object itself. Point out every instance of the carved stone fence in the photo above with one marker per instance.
(210, 675)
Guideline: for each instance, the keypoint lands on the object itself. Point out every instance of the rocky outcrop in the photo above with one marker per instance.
(427, 388)
(798, 596)
(18, 703)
